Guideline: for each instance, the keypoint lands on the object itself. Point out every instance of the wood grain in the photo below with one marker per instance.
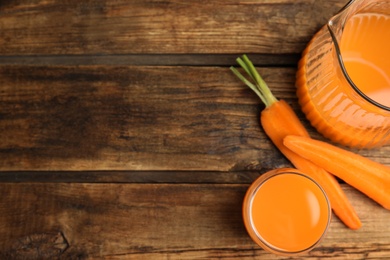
(158, 221)
(141, 27)
(123, 134)
(222, 60)
(211, 177)
(133, 118)
(137, 118)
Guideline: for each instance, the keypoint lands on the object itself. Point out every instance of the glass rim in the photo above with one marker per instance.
(256, 185)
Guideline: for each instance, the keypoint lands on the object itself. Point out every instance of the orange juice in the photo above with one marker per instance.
(286, 212)
(343, 80)
(364, 49)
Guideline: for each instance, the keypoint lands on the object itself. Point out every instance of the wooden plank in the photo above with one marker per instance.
(232, 177)
(133, 118)
(137, 118)
(153, 26)
(158, 221)
(263, 60)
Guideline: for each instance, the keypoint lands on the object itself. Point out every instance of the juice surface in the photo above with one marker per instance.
(329, 102)
(290, 212)
(365, 51)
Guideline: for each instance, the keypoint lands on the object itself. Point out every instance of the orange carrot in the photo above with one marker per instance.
(278, 127)
(371, 178)
(279, 120)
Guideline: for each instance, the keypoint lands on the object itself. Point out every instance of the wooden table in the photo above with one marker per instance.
(124, 135)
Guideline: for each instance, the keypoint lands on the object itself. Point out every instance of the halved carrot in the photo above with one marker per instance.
(370, 177)
(279, 120)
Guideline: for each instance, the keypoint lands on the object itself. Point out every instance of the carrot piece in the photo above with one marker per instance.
(370, 177)
(279, 120)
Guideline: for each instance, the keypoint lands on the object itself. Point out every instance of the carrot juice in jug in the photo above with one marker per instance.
(364, 48)
(343, 78)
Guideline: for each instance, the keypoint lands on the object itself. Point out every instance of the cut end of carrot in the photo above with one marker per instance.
(290, 140)
(370, 177)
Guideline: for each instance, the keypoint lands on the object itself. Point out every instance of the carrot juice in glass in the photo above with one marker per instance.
(286, 212)
(343, 78)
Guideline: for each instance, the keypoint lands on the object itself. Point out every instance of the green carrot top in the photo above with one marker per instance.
(258, 86)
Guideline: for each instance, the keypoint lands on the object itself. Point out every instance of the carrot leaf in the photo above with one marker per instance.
(256, 82)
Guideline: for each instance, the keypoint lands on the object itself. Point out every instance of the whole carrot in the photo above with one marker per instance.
(279, 120)
(370, 177)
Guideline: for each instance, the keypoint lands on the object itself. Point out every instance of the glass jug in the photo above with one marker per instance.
(343, 78)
